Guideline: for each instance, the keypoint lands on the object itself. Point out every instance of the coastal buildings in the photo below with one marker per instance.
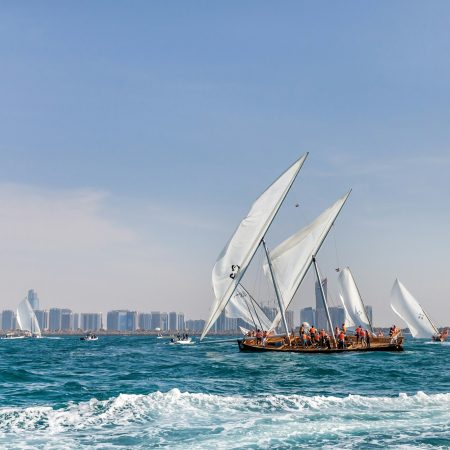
(67, 320)
(91, 321)
(145, 321)
(337, 315)
(121, 320)
(195, 326)
(54, 319)
(8, 320)
(156, 320)
(42, 318)
(173, 322)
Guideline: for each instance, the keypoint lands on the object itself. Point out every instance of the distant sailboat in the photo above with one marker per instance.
(409, 309)
(352, 302)
(26, 319)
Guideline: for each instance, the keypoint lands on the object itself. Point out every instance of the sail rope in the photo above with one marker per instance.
(338, 265)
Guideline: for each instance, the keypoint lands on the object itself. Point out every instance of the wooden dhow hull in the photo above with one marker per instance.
(280, 345)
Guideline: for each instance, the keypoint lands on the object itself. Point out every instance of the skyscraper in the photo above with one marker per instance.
(76, 321)
(33, 299)
(290, 319)
(54, 319)
(156, 320)
(91, 321)
(180, 324)
(308, 315)
(164, 321)
(8, 320)
(195, 325)
(42, 318)
(173, 325)
(145, 321)
(337, 315)
(121, 320)
(224, 323)
(66, 320)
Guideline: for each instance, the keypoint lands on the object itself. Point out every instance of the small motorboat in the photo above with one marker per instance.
(89, 337)
(13, 336)
(183, 340)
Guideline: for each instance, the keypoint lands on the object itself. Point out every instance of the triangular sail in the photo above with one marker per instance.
(352, 300)
(26, 318)
(242, 307)
(240, 249)
(293, 257)
(409, 309)
(347, 320)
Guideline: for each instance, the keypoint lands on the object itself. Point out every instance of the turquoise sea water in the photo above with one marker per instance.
(141, 392)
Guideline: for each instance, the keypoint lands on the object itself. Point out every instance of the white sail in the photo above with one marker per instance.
(240, 249)
(293, 257)
(347, 320)
(351, 300)
(409, 309)
(26, 318)
(241, 306)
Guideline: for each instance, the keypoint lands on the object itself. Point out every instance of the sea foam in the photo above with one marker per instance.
(196, 420)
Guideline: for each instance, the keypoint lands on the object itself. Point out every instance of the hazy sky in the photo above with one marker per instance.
(135, 135)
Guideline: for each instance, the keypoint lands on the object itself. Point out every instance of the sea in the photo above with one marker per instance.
(142, 392)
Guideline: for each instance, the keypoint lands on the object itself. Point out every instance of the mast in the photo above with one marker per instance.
(319, 279)
(281, 306)
(251, 315)
(428, 317)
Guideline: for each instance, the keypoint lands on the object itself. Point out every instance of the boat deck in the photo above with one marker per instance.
(279, 344)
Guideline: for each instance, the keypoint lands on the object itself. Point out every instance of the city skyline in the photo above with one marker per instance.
(127, 158)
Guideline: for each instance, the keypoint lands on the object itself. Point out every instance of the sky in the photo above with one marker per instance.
(135, 136)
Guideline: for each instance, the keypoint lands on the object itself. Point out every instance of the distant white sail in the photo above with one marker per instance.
(409, 309)
(240, 249)
(26, 318)
(293, 257)
(351, 300)
(241, 306)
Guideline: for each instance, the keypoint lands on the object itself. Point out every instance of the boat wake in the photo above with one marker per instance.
(188, 420)
(445, 343)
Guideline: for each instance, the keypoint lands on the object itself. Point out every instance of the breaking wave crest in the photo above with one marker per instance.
(195, 420)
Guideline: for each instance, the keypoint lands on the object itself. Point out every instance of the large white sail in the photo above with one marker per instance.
(241, 306)
(409, 309)
(351, 299)
(26, 318)
(293, 257)
(240, 249)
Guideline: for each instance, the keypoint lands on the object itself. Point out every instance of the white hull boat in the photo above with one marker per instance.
(187, 341)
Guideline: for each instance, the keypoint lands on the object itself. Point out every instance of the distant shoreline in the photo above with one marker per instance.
(133, 333)
(405, 331)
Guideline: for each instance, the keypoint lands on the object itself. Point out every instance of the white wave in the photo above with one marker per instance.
(186, 420)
